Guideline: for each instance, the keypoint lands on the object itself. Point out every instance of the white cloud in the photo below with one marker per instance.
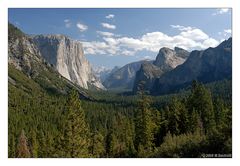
(107, 34)
(210, 42)
(228, 31)
(194, 34)
(221, 11)
(191, 32)
(188, 38)
(68, 23)
(108, 26)
(110, 16)
(127, 52)
(181, 28)
(81, 27)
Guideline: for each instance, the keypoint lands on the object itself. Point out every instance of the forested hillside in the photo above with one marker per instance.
(189, 125)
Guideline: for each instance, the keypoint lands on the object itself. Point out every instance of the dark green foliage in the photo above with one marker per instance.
(116, 125)
(200, 100)
(144, 126)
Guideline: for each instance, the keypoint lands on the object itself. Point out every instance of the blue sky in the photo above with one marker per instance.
(115, 37)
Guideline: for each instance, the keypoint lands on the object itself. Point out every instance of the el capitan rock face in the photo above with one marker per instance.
(212, 64)
(25, 63)
(67, 56)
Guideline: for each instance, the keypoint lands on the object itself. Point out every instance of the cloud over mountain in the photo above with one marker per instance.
(188, 38)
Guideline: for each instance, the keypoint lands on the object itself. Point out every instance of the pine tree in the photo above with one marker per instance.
(129, 138)
(201, 101)
(220, 114)
(12, 146)
(144, 124)
(34, 144)
(174, 117)
(111, 144)
(97, 144)
(76, 131)
(42, 151)
(22, 148)
(195, 122)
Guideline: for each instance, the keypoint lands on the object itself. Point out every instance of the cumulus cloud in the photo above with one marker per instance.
(221, 11)
(108, 26)
(188, 38)
(191, 32)
(110, 16)
(81, 27)
(68, 23)
(210, 42)
(107, 34)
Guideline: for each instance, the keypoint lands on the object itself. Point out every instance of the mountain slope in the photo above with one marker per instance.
(26, 65)
(166, 60)
(123, 77)
(67, 56)
(209, 65)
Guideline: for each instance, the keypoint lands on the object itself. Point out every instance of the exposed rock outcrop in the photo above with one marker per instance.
(166, 60)
(67, 56)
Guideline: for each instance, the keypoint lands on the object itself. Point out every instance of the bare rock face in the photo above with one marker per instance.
(67, 56)
(166, 60)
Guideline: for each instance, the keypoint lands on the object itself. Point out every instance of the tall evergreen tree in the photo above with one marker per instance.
(42, 152)
(97, 148)
(34, 144)
(144, 124)
(201, 101)
(76, 130)
(174, 117)
(22, 148)
(111, 143)
(195, 122)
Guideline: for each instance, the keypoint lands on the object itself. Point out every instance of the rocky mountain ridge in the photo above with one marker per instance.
(212, 64)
